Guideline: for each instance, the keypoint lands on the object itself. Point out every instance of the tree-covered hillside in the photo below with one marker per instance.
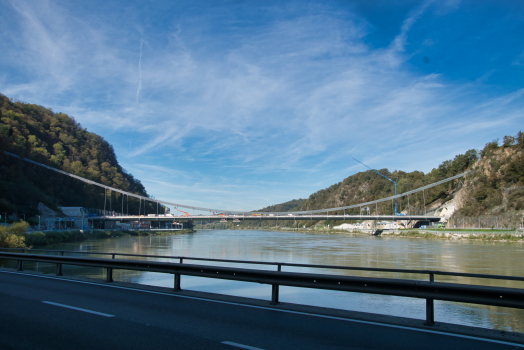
(495, 184)
(287, 206)
(368, 186)
(57, 140)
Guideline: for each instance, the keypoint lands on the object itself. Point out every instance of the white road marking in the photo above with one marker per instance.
(78, 309)
(242, 346)
(285, 311)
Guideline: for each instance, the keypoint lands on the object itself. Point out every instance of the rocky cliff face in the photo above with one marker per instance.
(493, 191)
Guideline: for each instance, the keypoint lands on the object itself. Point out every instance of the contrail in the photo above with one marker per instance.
(139, 72)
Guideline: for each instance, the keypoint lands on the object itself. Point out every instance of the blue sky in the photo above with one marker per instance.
(243, 104)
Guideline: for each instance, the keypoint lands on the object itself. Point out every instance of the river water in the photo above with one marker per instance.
(497, 258)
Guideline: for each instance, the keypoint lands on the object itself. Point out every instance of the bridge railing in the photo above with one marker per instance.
(428, 289)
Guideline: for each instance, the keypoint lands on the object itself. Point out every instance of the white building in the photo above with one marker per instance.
(76, 217)
(68, 218)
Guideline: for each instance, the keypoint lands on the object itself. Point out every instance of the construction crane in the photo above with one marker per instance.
(395, 182)
(187, 214)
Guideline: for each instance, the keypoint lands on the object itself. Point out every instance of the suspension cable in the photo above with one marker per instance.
(231, 211)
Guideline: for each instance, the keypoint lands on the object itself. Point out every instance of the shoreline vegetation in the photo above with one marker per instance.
(17, 236)
(507, 235)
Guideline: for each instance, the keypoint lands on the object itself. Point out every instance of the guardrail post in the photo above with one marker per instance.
(177, 279)
(274, 290)
(59, 267)
(109, 275)
(20, 265)
(430, 308)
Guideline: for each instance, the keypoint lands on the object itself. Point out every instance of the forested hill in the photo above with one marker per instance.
(287, 206)
(368, 186)
(495, 185)
(57, 140)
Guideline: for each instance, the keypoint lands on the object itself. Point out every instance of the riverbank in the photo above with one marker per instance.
(444, 234)
(39, 238)
(505, 236)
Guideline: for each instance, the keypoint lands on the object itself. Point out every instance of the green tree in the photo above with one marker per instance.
(508, 141)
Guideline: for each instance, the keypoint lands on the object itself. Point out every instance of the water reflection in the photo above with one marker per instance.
(326, 249)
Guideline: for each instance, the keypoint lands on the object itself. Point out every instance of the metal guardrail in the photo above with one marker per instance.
(424, 289)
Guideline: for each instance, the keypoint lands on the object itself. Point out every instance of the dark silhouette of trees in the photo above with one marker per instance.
(57, 140)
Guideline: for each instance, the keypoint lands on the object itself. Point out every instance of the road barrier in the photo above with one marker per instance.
(424, 289)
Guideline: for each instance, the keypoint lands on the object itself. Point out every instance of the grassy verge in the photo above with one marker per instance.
(445, 234)
(495, 231)
(417, 234)
(51, 237)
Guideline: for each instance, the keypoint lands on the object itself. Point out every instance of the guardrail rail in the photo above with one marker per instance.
(425, 289)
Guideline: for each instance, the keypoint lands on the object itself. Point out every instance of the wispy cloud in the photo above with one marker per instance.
(139, 72)
(290, 94)
(399, 42)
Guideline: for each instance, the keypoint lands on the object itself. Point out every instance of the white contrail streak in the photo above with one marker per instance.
(139, 71)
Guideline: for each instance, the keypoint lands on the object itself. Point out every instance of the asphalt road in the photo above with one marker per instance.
(47, 313)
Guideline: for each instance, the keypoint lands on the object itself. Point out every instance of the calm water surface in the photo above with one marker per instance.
(328, 249)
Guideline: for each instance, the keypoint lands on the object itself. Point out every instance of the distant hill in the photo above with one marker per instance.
(494, 187)
(287, 206)
(57, 140)
(368, 186)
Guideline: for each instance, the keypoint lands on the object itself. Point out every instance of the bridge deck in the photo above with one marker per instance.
(169, 217)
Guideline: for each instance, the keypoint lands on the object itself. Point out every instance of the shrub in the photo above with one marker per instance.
(13, 236)
(490, 147)
(508, 141)
(36, 238)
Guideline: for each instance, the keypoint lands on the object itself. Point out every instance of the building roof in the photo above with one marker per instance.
(47, 212)
(74, 211)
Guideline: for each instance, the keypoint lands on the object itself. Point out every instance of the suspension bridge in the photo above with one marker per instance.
(232, 215)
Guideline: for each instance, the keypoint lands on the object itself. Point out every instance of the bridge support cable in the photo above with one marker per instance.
(384, 199)
(119, 191)
(230, 211)
(424, 195)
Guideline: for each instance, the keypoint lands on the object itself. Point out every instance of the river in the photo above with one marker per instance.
(328, 249)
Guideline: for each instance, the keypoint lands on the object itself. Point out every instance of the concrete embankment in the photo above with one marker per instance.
(488, 235)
